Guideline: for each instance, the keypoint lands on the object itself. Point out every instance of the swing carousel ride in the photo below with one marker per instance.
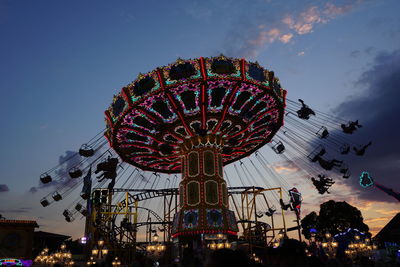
(206, 120)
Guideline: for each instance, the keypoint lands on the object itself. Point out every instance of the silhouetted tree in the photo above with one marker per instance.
(334, 217)
(309, 222)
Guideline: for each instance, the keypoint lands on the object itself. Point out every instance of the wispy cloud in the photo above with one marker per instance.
(379, 219)
(4, 188)
(260, 31)
(285, 167)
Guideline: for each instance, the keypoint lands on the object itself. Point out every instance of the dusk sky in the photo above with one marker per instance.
(61, 62)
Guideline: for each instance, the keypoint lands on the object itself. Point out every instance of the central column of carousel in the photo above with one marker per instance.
(204, 208)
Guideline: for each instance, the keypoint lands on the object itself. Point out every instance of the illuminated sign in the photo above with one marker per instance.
(366, 180)
(15, 262)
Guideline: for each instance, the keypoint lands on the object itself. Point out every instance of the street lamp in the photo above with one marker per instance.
(116, 262)
(90, 261)
(281, 234)
(155, 237)
(155, 248)
(100, 251)
(329, 245)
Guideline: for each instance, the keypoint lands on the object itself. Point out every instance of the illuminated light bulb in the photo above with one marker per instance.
(95, 251)
(155, 237)
(280, 234)
(328, 235)
(213, 245)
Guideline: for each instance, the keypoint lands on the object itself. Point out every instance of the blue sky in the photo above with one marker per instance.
(62, 61)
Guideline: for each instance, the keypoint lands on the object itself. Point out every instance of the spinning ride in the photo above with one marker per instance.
(193, 117)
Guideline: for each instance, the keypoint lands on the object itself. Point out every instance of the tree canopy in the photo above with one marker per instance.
(334, 217)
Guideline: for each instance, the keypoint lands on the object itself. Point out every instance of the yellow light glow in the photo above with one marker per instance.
(213, 246)
(328, 235)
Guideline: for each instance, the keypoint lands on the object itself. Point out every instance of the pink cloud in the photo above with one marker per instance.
(284, 28)
(286, 38)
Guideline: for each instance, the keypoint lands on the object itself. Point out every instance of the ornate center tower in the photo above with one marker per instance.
(203, 190)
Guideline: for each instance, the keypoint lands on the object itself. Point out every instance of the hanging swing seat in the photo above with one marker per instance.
(322, 132)
(45, 178)
(86, 151)
(75, 173)
(56, 196)
(278, 147)
(44, 202)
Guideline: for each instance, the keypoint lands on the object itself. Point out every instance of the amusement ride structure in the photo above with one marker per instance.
(192, 119)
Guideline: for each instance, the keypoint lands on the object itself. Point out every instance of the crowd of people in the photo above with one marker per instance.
(290, 253)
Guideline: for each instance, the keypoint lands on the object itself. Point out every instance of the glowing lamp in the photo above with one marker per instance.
(213, 245)
(155, 237)
(328, 235)
(280, 234)
(95, 251)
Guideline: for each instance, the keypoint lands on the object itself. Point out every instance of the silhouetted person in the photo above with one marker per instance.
(305, 111)
(361, 151)
(318, 155)
(109, 169)
(351, 127)
(270, 212)
(323, 184)
(285, 206)
(328, 164)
